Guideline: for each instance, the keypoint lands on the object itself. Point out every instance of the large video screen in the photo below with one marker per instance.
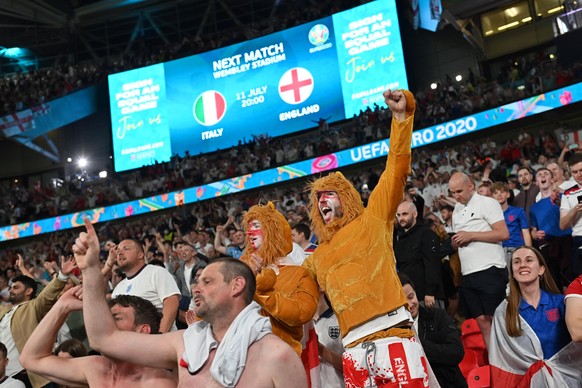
(277, 84)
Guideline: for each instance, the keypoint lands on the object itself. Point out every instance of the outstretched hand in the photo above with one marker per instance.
(20, 262)
(86, 248)
(67, 265)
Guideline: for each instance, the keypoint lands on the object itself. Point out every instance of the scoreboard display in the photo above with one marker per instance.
(276, 84)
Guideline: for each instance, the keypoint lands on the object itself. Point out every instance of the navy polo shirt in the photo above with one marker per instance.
(548, 322)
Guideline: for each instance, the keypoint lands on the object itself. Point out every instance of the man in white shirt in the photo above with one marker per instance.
(480, 228)
(150, 282)
(571, 213)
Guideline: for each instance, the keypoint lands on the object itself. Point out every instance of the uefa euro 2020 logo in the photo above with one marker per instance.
(318, 35)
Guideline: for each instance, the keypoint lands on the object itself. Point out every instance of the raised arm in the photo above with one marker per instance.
(22, 268)
(387, 195)
(218, 240)
(144, 349)
(37, 357)
(110, 262)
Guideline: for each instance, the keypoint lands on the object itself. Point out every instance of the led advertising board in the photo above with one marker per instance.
(490, 118)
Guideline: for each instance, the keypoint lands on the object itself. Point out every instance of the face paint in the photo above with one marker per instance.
(330, 205)
(255, 233)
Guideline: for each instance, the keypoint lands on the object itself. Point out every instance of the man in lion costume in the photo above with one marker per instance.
(287, 294)
(354, 265)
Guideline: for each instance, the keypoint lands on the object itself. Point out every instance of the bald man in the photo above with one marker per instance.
(416, 248)
(479, 228)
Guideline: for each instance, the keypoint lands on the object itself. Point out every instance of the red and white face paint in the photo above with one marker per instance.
(330, 205)
(255, 233)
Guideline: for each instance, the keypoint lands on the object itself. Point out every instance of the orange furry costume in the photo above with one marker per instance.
(289, 298)
(354, 263)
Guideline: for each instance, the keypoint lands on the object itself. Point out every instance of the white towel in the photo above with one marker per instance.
(229, 362)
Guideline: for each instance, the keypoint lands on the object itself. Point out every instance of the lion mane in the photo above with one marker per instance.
(277, 240)
(350, 199)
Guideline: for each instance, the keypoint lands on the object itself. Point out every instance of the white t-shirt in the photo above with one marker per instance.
(478, 216)
(295, 257)
(328, 333)
(152, 283)
(569, 200)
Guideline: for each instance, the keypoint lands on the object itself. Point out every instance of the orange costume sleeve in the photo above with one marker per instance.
(290, 299)
(354, 263)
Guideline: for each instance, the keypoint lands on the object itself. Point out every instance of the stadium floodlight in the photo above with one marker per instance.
(82, 162)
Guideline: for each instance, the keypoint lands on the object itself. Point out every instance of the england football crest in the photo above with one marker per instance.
(333, 332)
(553, 315)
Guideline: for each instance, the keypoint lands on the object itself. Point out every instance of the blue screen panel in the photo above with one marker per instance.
(277, 84)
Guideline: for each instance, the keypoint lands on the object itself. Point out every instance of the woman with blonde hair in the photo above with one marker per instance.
(530, 343)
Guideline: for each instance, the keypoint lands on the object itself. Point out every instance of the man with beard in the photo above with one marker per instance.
(150, 282)
(354, 264)
(286, 292)
(416, 249)
(17, 322)
(231, 346)
(529, 190)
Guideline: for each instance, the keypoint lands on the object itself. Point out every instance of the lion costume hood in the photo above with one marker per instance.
(277, 240)
(351, 201)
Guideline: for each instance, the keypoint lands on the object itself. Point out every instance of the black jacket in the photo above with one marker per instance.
(442, 344)
(417, 253)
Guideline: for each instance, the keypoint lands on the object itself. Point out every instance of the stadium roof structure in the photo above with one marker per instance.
(91, 29)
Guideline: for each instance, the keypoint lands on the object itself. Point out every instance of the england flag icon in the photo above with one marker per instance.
(296, 85)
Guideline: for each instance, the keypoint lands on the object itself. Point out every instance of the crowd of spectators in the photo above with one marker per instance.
(22, 203)
(449, 100)
(485, 159)
(165, 237)
(201, 232)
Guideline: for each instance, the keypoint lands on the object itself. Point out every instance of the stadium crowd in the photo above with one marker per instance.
(177, 246)
(455, 99)
(468, 219)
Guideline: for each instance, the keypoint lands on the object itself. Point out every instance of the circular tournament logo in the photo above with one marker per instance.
(209, 108)
(318, 35)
